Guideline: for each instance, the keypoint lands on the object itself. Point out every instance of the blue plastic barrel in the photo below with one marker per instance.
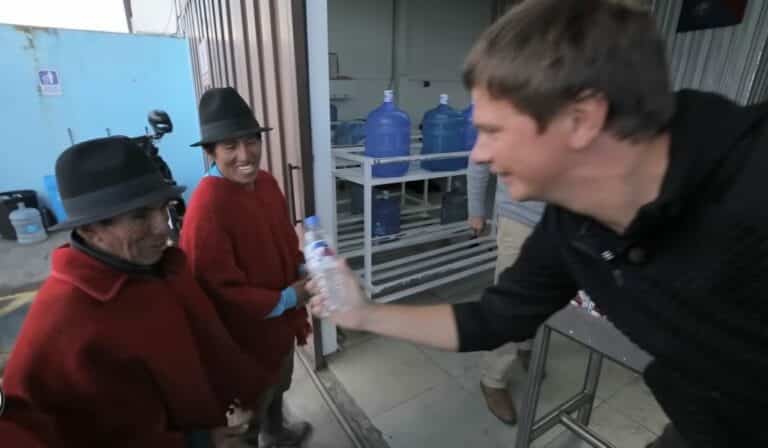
(52, 191)
(350, 132)
(470, 131)
(334, 112)
(443, 131)
(388, 134)
(385, 210)
(386, 214)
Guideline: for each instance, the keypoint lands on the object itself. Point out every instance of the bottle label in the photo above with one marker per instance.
(318, 250)
(31, 228)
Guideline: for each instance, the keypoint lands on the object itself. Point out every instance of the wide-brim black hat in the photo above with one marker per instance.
(225, 115)
(106, 177)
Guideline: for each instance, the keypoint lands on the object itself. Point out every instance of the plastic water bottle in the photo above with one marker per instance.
(388, 134)
(351, 132)
(470, 131)
(28, 225)
(443, 131)
(322, 265)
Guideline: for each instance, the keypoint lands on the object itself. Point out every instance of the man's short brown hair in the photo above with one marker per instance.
(544, 54)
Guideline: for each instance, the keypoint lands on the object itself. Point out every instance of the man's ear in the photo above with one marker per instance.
(586, 118)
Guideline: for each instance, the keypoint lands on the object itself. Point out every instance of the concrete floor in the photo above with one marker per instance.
(23, 267)
(420, 397)
(411, 396)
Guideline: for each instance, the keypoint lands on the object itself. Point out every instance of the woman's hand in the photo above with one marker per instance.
(302, 294)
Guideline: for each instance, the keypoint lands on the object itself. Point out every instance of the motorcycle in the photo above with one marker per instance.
(161, 124)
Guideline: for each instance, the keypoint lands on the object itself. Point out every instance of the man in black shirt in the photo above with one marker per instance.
(657, 208)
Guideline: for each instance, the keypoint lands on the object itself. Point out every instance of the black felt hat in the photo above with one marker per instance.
(224, 115)
(105, 177)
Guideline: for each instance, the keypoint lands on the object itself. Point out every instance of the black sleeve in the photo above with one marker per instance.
(528, 292)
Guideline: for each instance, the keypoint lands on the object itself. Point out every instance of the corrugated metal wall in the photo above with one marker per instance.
(730, 60)
(259, 47)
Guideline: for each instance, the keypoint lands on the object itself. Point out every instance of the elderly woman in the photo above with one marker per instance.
(245, 253)
(121, 347)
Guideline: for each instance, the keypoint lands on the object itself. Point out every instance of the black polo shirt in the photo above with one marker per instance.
(687, 281)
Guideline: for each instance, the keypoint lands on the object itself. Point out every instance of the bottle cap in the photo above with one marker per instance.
(312, 222)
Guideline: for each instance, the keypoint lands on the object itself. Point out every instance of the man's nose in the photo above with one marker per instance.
(480, 153)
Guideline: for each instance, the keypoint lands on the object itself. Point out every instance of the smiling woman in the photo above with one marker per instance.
(238, 159)
(245, 254)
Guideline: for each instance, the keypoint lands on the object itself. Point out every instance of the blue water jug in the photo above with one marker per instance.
(385, 210)
(388, 134)
(334, 112)
(349, 133)
(386, 214)
(443, 131)
(470, 131)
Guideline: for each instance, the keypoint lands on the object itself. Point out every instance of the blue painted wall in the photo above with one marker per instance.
(108, 81)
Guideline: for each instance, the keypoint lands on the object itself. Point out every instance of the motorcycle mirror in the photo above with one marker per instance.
(160, 122)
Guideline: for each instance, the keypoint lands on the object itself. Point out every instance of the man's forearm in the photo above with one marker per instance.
(432, 325)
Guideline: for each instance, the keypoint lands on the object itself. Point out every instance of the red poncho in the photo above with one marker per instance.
(119, 359)
(244, 251)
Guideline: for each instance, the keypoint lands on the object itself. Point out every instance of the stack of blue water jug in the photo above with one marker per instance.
(386, 132)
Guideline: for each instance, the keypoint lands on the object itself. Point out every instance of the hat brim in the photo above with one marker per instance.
(231, 135)
(167, 193)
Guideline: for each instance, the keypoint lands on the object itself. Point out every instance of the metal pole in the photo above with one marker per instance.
(584, 433)
(592, 379)
(552, 418)
(335, 222)
(533, 390)
(317, 341)
(367, 223)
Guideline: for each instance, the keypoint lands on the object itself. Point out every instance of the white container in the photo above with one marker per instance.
(28, 224)
(322, 265)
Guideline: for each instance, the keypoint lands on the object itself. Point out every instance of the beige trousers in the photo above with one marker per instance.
(497, 364)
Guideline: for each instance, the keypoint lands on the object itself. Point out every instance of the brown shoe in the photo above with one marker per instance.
(500, 404)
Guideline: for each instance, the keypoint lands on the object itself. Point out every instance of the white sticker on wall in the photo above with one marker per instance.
(50, 82)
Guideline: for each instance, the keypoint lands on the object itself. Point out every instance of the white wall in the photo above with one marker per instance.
(433, 39)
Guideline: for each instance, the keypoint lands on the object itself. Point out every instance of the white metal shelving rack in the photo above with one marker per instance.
(424, 266)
